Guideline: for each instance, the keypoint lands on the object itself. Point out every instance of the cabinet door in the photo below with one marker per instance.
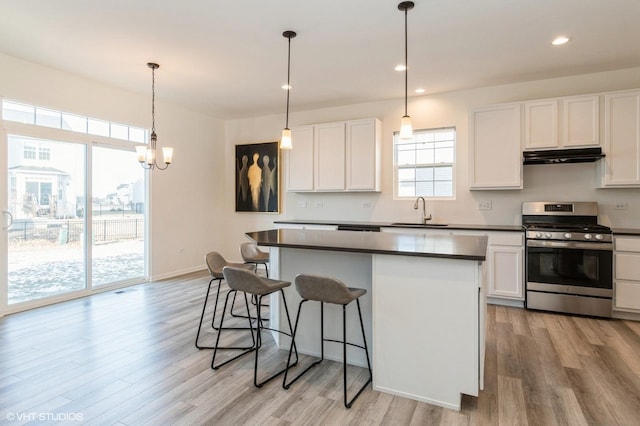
(627, 266)
(495, 147)
(300, 160)
(621, 166)
(363, 155)
(580, 121)
(505, 271)
(627, 274)
(329, 146)
(541, 124)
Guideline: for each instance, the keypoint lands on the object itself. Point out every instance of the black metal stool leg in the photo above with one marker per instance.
(204, 307)
(286, 367)
(245, 349)
(344, 331)
(286, 385)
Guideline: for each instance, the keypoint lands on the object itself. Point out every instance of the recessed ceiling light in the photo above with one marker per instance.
(400, 67)
(286, 87)
(558, 41)
(420, 90)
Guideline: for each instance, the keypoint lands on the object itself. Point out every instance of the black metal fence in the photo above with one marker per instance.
(69, 230)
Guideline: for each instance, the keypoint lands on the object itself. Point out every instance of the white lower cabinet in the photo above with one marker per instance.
(505, 260)
(504, 263)
(627, 274)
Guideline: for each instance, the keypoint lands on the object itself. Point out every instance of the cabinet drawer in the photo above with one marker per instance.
(627, 266)
(627, 295)
(507, 239)
(628, 244)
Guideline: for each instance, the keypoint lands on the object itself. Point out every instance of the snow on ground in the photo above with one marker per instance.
(41, 270)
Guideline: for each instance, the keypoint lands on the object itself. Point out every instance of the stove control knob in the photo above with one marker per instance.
(539, 234)
(568, 235)
(599, 236)
(587, 236)
(548, 235)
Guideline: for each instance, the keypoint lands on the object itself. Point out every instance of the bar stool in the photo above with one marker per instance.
(240, 279)
(215, 263)
(252, 254)
(329, 290)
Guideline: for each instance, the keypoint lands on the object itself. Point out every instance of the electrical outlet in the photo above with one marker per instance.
(620, 206)
(318, 204)
(366, 205)
(484, 205)
(302, 204)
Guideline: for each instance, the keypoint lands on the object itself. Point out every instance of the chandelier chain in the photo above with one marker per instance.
(153, 100)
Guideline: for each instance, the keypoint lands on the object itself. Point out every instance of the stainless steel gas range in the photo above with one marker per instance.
(569, 258)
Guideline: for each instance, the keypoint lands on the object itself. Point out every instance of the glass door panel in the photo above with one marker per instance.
(46, 253)
(118, 216)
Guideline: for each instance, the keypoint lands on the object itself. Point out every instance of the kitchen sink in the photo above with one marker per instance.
(420, 225)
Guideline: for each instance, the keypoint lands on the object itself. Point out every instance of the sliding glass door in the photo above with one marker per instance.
(46, 253)
(118, 216)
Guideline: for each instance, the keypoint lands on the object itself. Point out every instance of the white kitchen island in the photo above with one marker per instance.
(423, 312)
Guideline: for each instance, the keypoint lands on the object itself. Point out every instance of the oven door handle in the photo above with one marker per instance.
(571, 245)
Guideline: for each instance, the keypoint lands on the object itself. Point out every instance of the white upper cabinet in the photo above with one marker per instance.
(580, 121)
(363, 154)
(335, 157)
(621, 166)
(329, 150)
(541, 124)
(495, 150)
(300, 160)
(568, 122)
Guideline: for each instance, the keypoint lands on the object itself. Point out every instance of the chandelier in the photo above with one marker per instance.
(147, 154)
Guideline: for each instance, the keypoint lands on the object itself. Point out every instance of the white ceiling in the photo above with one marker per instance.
(228, 58)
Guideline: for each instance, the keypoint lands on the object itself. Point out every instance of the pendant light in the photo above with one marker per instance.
(285, 141)
(406, 129)
(147, 155)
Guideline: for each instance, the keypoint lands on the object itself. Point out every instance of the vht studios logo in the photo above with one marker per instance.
(44, 417)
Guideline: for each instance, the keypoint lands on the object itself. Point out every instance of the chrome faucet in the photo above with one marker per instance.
(424, 214)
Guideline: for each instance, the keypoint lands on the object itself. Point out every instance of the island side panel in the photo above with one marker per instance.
(354, 269)
(426, 328)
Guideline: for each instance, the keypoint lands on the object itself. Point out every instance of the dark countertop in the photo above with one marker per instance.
(625, 231)
(444, 246)
(511, 228)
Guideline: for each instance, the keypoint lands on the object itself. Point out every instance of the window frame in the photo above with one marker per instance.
(397, 167)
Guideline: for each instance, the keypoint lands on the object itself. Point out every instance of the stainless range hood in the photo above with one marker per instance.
(560, 156)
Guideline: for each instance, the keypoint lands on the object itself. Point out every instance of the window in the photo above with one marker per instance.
(44, 153)
(423, 166)
(29, 114)
(29, 152)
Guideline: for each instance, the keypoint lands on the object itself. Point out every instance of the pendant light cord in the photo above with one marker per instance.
(406, 65)
(288, 81)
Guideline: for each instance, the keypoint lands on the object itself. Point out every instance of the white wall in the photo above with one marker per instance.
(185, 201)
(193, 201)
(541, 182)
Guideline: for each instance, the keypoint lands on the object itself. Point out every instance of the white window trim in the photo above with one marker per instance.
(453, 169)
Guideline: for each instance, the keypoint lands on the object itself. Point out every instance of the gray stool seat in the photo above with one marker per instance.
(325, 289)
(215, 263)
(243, 280)
(253, 255)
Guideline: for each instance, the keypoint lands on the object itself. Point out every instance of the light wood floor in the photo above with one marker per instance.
(127, 357)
